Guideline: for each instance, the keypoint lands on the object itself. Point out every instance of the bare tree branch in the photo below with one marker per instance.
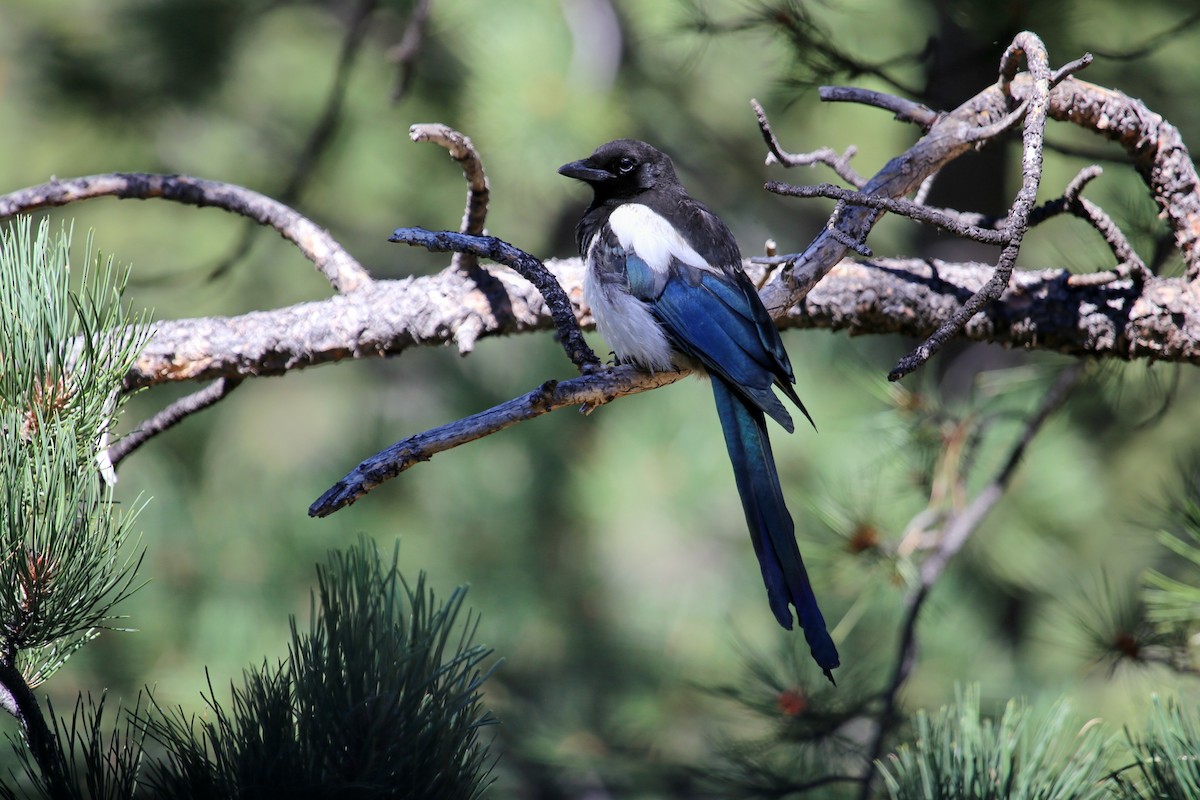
(171, 416)
(905, 110)
(341, 270)
(946, 220)
(1018, 215)
(462, 150)
(1155, 145)
(530, 268)
(1129, 263)
(777, 155)
(1041, 309)
(1152, 318)
(590, 391)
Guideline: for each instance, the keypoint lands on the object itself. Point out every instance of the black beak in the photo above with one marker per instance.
(581, 170)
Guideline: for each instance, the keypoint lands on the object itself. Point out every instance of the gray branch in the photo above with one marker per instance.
(1156, 319)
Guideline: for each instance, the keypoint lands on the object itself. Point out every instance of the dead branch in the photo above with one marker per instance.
(777, 155)
(462, 150)
(529, 268)
(342, 271)
(1129, 263)
(588, 391)
(1034, 109)
(1041, 309)
(1122, 313)
(905, 110)
(171, 416)
(953, 222)
(1155, 145)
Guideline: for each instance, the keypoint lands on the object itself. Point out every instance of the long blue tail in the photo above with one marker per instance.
(771, 527)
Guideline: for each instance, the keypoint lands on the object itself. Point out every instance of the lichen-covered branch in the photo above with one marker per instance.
(1034, 111)
(1043, 309)
(462, 150)
(1155, 145)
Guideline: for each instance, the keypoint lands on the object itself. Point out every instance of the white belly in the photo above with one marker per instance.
(626, 323)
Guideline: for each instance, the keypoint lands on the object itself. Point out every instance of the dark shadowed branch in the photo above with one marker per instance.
(17, 698)
(588, 391)
(528, 267)
(405, 53)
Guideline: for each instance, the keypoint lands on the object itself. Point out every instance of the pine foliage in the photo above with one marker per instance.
(379, 698)
(64, 348)
(956, 753)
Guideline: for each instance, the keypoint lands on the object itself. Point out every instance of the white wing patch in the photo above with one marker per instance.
(645, 232)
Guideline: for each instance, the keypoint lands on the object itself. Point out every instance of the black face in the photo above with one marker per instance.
(622, 168)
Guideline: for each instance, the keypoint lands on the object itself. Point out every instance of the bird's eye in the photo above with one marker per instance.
(626, 165)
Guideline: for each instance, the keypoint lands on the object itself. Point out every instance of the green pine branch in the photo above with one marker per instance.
(381, 697)
(65, 345)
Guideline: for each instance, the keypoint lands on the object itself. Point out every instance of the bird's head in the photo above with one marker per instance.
(622, 169)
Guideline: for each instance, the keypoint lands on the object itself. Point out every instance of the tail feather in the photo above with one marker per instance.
(771, 527)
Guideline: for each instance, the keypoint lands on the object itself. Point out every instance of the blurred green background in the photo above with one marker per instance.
(607, 554)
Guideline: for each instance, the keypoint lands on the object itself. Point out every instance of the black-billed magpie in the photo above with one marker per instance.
(665, 284)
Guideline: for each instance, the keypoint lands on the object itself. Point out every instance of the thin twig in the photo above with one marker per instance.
(955, 533)
(905, 110)
(529, 267)
(1018, 216)
(590, 391)
(1070, 68)
(463, 151)
(342, 271)
(1129, 262)
(777, 155)
(171, 416)
(940, 218)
